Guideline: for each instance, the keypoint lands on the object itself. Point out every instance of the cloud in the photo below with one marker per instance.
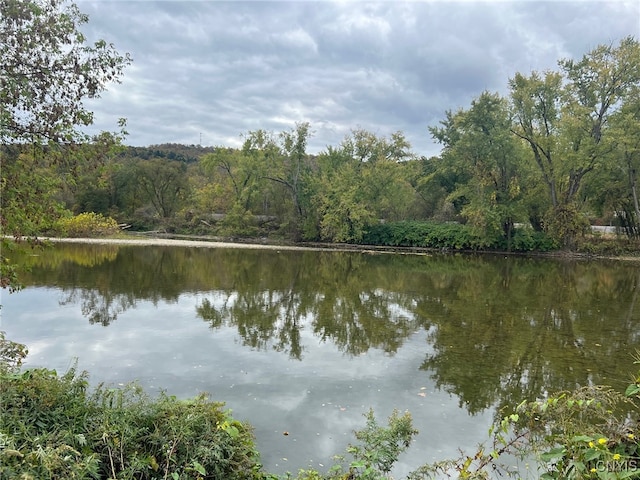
(221, 68)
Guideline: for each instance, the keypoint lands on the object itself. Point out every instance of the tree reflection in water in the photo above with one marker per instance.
(499, 329)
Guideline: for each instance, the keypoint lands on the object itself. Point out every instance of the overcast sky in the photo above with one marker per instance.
(208, 71)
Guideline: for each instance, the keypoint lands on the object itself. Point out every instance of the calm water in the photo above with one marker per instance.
(306, 342)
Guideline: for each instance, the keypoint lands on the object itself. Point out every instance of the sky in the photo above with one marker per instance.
(208, 72)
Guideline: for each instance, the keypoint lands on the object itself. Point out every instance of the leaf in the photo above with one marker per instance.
(631, 473)
(591, 454)
(553, 454)
(199, 468)
(632, 389)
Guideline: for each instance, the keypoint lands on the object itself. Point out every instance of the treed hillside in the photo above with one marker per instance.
(170, 151)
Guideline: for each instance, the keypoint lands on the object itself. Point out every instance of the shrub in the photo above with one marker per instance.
(87, 224)
(590, 432)
(423, 234)
(454, 236)
(529, 240)
(52, 427)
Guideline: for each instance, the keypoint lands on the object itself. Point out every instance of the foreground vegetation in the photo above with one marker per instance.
(55, 427)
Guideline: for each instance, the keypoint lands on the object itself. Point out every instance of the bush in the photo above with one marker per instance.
(529, 240)
(423, 234)
(52, 428)
(590, 432)
(87, 224)
(453, 236)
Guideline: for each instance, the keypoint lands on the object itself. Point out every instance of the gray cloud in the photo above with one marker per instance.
(219, 69)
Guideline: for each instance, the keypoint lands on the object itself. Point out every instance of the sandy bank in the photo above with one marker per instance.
(186, 243)
(198, 243)
(256, 245)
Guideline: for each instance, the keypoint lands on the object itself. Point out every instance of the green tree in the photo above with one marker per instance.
(86, 171)
(365, 146)
(359, 183)
(479, 146)
(291, 169)
(615, 190)
(340, 205)
(433, 182)
(563, 118)
(28, 189)
(243, 171)
(164, 184)
(48, 69)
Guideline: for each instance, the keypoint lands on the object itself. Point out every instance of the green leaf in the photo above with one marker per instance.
(631, 473)
(553, 454)
(632, 389)
(199, 468)
(592, 454)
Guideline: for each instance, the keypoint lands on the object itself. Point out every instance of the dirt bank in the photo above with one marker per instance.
(256, 244)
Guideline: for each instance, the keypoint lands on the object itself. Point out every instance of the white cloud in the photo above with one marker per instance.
(296, 39)
(222, 68)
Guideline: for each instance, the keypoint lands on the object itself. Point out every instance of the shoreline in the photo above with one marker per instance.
(171, 242)
(253, 244)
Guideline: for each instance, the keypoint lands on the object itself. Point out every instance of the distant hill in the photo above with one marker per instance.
(169, 151)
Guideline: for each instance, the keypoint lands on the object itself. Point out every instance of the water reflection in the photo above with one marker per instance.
(498, 329)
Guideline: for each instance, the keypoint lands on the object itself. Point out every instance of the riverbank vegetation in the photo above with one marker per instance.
(56, 427)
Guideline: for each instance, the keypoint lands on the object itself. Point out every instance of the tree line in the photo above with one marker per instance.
(559, 152)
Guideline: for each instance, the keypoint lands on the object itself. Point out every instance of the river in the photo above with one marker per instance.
(301, 343)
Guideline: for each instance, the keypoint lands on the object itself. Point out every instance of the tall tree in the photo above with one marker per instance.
(479, 146)
(164, 183)
(292, 169)
(243, 172)
(564, 116)
(359, 183)
(615, 190)
(282, 159)
(29, 190)
(47, 70)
